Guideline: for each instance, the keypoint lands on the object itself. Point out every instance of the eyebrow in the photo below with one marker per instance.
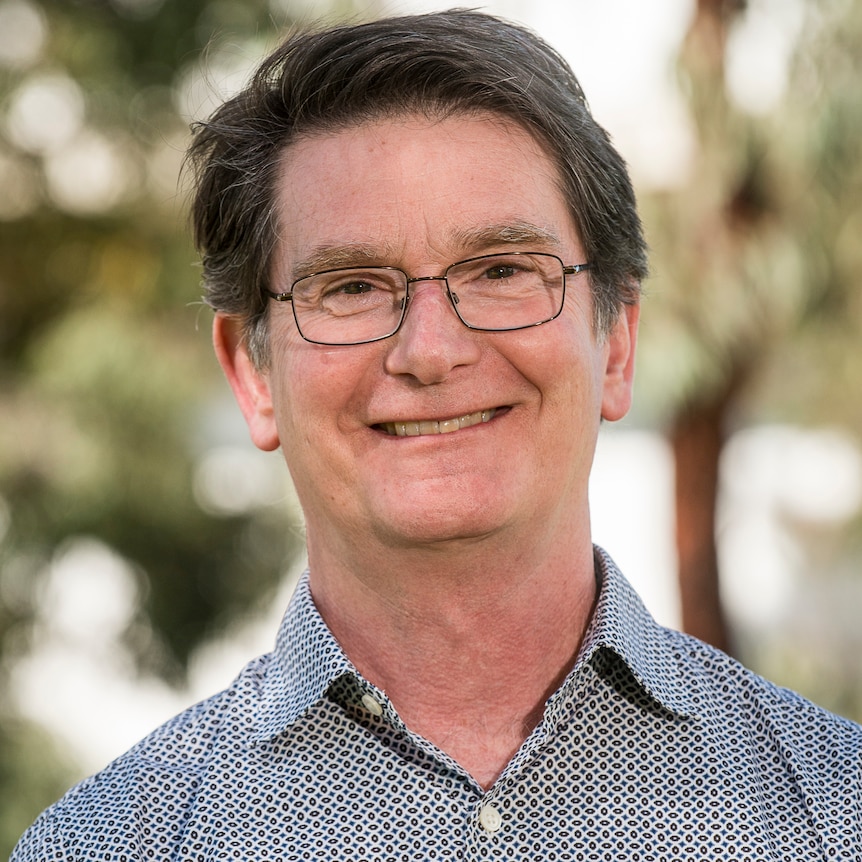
(471, 241)
(506, 234)
(342, 256)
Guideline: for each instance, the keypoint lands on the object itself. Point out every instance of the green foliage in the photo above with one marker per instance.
(811, 373)
(107, 378)
(103, 375)
(33, 774)
(756, 257)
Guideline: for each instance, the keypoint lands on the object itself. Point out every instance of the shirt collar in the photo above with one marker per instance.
(622, 624)
(306, 661)
(308, 658)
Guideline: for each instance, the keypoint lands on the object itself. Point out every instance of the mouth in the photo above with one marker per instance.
(422, 427)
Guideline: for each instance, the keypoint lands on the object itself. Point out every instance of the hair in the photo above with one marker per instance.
(438, 64)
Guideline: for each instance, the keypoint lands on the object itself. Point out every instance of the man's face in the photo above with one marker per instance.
(420, 194)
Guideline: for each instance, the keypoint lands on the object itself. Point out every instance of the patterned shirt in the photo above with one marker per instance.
(656, 747)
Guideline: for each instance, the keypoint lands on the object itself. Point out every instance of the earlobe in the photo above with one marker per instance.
(249, 384)
(619, 372)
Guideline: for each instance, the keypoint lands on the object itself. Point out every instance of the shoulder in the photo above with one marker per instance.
(726, 694)
(153, 785)
(692, 678)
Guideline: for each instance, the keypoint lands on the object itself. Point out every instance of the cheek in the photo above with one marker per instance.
(320, 390)
(567, 366)
(295, 391)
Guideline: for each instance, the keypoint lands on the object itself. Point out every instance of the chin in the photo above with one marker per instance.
(424, 529)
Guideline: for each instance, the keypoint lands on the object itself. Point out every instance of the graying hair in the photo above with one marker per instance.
(437, 64)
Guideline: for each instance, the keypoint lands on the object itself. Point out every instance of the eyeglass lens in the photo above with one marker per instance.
(494, 292)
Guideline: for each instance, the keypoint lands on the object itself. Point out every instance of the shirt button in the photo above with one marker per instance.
(372, 704)
(490, 818)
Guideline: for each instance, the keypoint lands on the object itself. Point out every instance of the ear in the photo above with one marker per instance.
(250, 386)
(620, 368)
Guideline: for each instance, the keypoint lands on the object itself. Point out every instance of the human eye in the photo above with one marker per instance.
(500, 271)
(353, 287)
(501, 268)
(497, 275)
(347, 292)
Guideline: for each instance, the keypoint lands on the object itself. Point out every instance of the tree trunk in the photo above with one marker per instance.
(697, 438)
(698, 431)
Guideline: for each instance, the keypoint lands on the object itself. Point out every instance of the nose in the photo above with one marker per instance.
(432, 341)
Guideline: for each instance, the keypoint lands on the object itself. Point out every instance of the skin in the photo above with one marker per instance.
(455, 569)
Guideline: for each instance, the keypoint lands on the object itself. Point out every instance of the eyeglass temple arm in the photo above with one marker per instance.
(578, 267)
(284, 296)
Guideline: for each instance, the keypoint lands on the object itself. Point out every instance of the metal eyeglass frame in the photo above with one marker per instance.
(567, 269)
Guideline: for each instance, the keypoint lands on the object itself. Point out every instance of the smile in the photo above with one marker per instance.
(444, 426)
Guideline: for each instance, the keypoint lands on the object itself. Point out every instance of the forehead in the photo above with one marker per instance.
(456, 185)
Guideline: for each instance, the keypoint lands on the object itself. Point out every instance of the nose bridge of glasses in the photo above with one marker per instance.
(447, 291)
(426, 278)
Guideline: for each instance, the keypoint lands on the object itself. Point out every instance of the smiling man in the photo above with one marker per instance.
(425, 258)
(442, 470)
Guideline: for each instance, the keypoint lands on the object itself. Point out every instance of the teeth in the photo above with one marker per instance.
(447, 426)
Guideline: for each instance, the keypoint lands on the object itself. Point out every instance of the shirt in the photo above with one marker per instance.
(655, 747)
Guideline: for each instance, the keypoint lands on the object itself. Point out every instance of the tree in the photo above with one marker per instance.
(754, 265)
(106, 385)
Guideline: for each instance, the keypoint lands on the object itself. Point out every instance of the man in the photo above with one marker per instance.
(425, 258)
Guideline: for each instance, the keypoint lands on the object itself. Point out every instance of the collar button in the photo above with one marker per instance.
(372, 704)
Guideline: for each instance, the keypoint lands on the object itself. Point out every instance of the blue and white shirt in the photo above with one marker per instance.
(656, 747)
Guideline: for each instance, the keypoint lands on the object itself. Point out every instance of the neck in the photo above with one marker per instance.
(468, 642)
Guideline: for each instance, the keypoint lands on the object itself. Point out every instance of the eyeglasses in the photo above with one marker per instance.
(491, 293)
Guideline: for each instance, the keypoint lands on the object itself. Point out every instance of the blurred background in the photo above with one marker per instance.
(147, 550)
